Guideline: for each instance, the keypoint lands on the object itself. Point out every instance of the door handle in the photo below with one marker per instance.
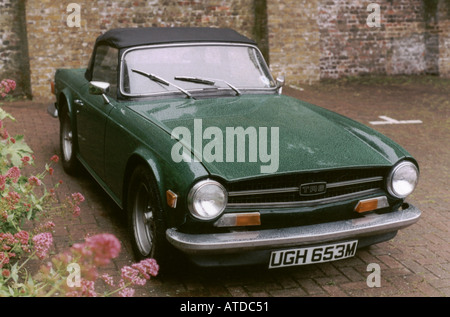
(79, 102)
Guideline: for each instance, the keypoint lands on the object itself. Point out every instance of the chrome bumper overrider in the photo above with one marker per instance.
(369, 225)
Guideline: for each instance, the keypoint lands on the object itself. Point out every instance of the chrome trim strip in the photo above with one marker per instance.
(355, 182)
(264, 191)
(304, 203)
(244, 241)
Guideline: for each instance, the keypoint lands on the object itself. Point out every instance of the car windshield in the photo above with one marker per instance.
(194, 68)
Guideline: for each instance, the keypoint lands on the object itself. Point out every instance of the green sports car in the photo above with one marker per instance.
(189, 133)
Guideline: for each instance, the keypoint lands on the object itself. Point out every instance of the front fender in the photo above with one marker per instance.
(131, 140)
(177, 178)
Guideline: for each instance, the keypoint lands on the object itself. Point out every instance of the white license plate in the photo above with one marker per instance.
(309, 255)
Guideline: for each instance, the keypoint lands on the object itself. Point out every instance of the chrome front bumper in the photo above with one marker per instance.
(243, 241)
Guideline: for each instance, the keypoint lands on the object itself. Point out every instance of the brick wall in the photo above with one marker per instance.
(350, 47)
(319, 39)
(306, 40)
(53, 44)
(13, 45)
(444, 38)
(294, 40)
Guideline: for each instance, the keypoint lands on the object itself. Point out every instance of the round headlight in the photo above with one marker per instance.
(403, 179)
(207, 199)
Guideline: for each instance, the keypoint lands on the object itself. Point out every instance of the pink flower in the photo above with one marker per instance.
(4, 133)
(147, 267)
(74, 201)
(26, 160)
(107, 279)
(2, 182)
(8, 238)
(77, 197)
(88, 288)
(54, 158)
(139, 273)
(33, 180)
(23, 236)
(132, 276)
(125, 291)
(13, 197)
(104, 246)
(6, 247)
(82, 250)
(6, 86)
(98, 249)
(6, 273)
(4, 259)
(76, 211)
(42, 244)
(13, 173)
(48, 226)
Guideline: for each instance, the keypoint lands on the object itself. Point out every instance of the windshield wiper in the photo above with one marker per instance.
(207, 81)
(160, 80)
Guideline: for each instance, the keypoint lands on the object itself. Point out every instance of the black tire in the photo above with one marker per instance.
(145, 217)
(66, 143)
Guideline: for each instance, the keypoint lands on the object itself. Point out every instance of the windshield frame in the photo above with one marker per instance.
(267, 90)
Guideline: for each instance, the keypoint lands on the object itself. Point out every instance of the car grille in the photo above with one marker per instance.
(284, 190)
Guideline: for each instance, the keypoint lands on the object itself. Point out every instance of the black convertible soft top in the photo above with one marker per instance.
(129, 37)
(123, 38)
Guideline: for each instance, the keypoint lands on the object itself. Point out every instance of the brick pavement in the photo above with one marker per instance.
(415, 263)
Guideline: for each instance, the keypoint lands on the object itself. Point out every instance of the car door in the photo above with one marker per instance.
(93, 111)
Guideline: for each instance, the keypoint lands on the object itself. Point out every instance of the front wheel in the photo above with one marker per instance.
(145, 221)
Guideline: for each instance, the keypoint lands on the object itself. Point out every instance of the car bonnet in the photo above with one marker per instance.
(282, 135)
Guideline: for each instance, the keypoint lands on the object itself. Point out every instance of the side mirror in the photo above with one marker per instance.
(280, 83)
(99, 88)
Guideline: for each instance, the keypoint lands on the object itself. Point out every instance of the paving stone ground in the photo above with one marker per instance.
(415, 263)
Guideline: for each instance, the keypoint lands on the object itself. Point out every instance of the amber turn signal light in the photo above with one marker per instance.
(171, 198)
(239, 220)
(371, 204)
(248, 219)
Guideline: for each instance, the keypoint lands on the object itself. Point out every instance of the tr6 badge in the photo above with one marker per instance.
(312, 189)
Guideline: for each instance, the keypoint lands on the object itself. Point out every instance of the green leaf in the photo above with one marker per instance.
(16, 151)
(4, 114)
(30, 214)
(14, 272)
(30, 281)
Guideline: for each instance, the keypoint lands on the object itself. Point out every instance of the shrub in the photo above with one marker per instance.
(26, 198)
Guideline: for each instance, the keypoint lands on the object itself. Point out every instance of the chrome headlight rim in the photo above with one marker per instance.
(390, 179)
(195, 191)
